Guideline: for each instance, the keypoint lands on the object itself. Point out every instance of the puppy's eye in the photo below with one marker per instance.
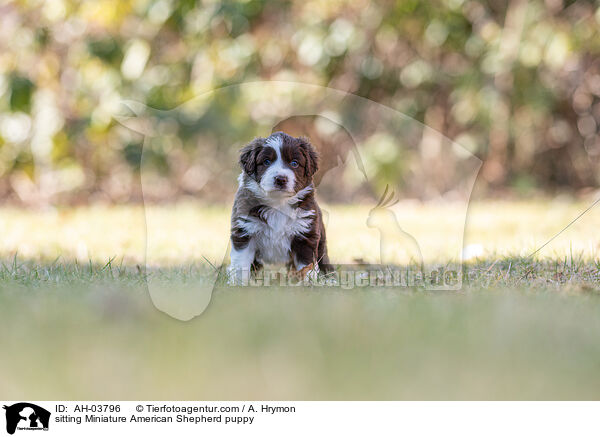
(294, 164)
(267, 162)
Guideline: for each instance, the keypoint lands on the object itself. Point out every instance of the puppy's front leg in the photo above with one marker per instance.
(242, 257)
(304, 255)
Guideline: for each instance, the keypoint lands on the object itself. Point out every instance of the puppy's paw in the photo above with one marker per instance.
(297, 276)
(238, 276)
(310, 274)
(306, 275)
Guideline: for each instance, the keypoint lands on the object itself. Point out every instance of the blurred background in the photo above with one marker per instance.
(516, 82)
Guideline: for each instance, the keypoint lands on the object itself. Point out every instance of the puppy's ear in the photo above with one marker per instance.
(248, 155)
(311, 156)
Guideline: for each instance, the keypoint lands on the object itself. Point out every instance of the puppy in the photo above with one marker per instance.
(275, 217)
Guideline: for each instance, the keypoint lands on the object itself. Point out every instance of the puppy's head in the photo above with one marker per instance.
(281, 164)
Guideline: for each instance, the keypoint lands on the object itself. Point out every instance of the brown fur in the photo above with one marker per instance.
(307, 247)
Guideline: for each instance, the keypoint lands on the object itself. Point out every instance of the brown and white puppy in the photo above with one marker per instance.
(275, 218)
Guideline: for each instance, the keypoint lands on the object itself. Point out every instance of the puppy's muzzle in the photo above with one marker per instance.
(280, 181)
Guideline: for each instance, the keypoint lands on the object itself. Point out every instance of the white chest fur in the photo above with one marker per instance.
(273, 232)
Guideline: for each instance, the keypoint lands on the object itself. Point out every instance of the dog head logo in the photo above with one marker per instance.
(26, 416)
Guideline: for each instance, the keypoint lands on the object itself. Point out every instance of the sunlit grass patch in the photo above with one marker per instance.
(193, 233)
(519, 328)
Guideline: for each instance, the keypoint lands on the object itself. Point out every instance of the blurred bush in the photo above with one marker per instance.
(516, 82)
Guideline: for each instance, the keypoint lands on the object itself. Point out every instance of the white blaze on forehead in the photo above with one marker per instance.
(277, 167)
(275, 141)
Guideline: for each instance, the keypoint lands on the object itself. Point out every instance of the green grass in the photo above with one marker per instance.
(78, 321)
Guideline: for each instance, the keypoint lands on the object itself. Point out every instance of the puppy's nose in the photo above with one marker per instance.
(280, 181)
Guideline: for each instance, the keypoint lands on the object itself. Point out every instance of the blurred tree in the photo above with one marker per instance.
(21, 89)
(517, 82)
